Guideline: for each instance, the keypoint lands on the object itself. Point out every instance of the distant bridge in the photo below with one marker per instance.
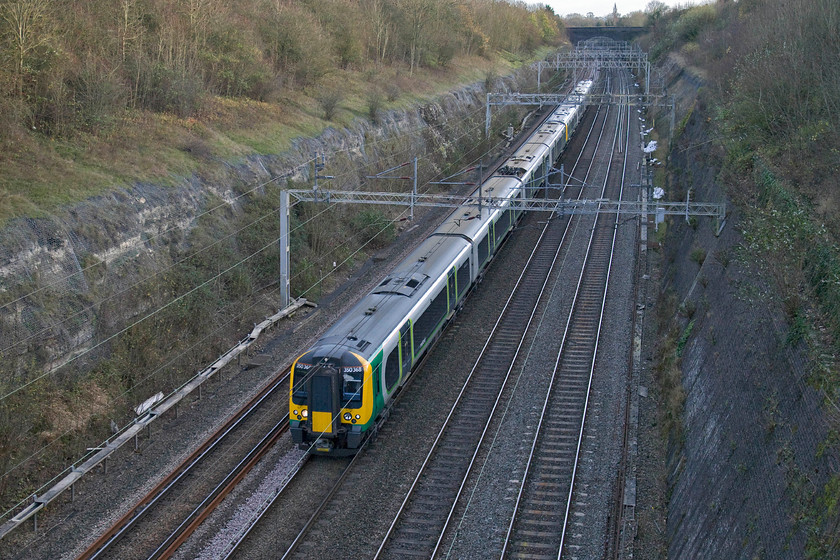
(577, 34)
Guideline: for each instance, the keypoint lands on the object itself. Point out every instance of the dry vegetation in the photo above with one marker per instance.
(95, 93)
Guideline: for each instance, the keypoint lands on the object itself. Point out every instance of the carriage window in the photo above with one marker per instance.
(450, 284)
(427, 322)
(299, 389)
(464, 276)
(502, 225)
(483, 250)
(405, 343)
(352, 385)
(392, 370)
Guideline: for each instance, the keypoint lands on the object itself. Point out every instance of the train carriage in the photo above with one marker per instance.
(340, 387)
(368, 354)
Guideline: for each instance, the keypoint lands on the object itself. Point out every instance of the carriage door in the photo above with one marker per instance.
(405, 348)
(324, 400)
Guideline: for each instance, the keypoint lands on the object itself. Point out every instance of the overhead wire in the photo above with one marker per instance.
(196, 344)
(336, 345)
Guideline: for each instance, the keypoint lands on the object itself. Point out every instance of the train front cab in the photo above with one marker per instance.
(330, 402)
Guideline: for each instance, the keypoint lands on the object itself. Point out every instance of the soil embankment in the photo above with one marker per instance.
(744, 455)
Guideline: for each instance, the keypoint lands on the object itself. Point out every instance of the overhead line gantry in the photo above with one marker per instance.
(596, 53)
(556, 206)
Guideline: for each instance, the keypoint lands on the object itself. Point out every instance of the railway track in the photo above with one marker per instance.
(539, 526)
(434, 510)
(315, 528)
(427, 507)
(168, 514)
(458, 444)
(421, 523)
(311, 535)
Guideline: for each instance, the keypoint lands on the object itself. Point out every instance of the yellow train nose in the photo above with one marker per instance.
(322, 423)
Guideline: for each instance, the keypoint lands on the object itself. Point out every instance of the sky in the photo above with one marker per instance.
(600, 7)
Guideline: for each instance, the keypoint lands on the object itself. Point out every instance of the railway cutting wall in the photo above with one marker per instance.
(56, 265)
(742, 468)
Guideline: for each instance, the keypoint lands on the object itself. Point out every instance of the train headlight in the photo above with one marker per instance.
(305, 413)
(347, 416)
(358, 416)
(296, 413)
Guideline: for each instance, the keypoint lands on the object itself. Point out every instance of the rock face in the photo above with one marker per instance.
(749, 461)
(69, 279)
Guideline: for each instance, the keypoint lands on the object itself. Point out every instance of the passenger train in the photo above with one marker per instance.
(340, 387)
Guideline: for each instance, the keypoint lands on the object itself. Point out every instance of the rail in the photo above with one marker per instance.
(561, 428)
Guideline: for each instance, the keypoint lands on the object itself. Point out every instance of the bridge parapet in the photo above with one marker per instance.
(578, 34)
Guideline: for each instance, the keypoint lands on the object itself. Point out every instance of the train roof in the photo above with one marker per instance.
(531, 152)
(364, 328)
(562, 115)
(467, 221)
(548, 132)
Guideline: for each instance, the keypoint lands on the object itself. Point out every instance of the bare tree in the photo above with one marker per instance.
(381, 28)
(417, 14)
(198, 13)
(25, 22)
(129, 28)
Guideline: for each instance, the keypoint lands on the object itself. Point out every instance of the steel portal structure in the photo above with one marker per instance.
(540, 99)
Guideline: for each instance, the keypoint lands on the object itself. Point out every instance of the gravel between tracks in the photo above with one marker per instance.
(492, 488)
(482, 524)
(362, 513)
(273, 475)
